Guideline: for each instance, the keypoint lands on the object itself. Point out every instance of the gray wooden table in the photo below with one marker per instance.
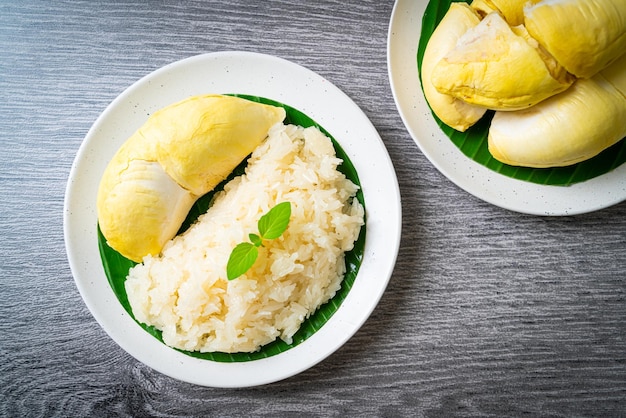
(488, 312)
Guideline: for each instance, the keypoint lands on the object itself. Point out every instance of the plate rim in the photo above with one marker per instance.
(359, 303)
(497, 189)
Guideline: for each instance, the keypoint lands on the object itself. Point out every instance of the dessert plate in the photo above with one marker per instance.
(252, 74)
(503, 191)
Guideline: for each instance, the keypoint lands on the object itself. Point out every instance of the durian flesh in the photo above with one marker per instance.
(499, 67)
(541, 120)
(584, 36)
(511, 10)
(568, 128)
(452, 111)
(182, 152)
(142, 210)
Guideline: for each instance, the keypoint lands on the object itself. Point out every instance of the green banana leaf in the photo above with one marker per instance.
(116, 266)
(473, 142)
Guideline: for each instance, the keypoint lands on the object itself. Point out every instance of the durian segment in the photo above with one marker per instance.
(142, 209)
(483, 7)
(566, 129)
(452, 111)
(616, 74)
(499, 67)
(182, 152)
(511, 10)
(584, 36)
(199, 141)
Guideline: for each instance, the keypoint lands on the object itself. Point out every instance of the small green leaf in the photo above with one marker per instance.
(241, 259)
(256, 240)
(271, 226)
(274, 222)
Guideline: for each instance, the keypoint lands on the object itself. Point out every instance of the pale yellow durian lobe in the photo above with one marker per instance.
(499, 68)
(452, 111)
(182, 152)
(556, 70)
(140, 208)
(566, 129)
(200, 140)
(584, 36)
(616, 74)
(511, 10)
(483, 7)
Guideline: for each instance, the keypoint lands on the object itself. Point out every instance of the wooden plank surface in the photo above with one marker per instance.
(488, 312)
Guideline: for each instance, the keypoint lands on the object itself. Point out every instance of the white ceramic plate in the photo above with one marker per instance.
(244, 73)
(404, 32)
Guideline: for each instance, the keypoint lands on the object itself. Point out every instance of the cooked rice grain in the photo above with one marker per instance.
(184, 292)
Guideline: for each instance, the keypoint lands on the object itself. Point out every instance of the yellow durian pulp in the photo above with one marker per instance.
(584, 36)
(568, 128)
(452, 111)
(199, 141)
(483, 7)
(180, 153)
(499, 67)
(141, 208)
(511, 10)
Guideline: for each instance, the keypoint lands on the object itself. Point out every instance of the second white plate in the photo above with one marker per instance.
(525, 197)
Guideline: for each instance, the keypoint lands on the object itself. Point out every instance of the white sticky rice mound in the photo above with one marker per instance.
(184, 291)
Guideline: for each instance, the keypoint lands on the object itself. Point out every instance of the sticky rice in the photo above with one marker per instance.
(184, 291)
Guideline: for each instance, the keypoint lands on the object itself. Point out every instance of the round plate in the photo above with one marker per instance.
(525, 197)
(241, 73)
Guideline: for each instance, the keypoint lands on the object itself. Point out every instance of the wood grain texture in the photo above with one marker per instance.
(488, 312)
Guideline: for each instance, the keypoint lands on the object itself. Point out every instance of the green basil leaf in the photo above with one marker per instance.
(274, 222)
(256, 240)
(241, 259)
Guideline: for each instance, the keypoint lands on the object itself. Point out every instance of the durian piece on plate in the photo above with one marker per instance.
(181, 153)
(511, 10)
(568, 128)
(584, 36)
(499, 67)
(452, 111)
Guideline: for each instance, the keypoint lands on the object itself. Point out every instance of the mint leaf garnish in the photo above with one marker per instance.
(256, 240)
(271, 226)
(274, 222)
(241, 259)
